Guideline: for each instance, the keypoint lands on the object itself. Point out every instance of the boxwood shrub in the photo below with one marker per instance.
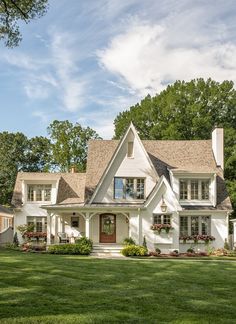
(82, 246)
(134, 250)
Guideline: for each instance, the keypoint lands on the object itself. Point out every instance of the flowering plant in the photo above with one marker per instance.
(196, 238)
(35, 234)
(159, 227)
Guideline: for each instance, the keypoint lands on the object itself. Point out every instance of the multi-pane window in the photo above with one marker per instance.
(183, 189)
(39, 192)
(6, 222)
(194, 189)
(140, 189)
(205, 189)
(205, 225)
(162, 219)
(129, 188)
(40, 223)
(183, 225)
(195, 225)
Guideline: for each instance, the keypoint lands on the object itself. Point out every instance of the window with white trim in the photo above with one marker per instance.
(39, 192)
(194, 189)
(129, 188)
(161, 219)
(195, 225)
(6, 222)
(40, 223)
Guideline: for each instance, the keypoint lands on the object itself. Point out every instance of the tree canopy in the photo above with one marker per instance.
(14, 11)
(188, 110)
(18, 153)
(69, 144)
(65, 147)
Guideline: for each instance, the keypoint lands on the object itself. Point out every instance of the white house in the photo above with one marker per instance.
(129, 186)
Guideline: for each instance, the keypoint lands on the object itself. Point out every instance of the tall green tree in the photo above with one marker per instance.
(188, 110)
(14, 11)
(69, 144)
(18, 153)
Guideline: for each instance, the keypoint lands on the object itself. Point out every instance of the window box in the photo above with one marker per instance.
(196, 239)
(158, 228)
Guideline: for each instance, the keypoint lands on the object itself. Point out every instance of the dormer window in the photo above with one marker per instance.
(129, 188)
(39, 192)
(194, 189)
(130, 150)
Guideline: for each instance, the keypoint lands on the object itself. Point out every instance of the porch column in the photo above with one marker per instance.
(49, 228)
(87, 226)
(56, 239)
(140, 230)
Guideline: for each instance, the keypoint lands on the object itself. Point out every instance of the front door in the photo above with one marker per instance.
(107, 228)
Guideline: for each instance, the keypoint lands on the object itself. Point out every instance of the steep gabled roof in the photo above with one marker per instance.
(189, 156)
(130, 131)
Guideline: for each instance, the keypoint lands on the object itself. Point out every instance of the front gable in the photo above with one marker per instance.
(130, 160)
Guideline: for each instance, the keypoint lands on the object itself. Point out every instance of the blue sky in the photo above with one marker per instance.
(87, 60)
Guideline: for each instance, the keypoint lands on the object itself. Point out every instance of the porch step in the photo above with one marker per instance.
(107, 250)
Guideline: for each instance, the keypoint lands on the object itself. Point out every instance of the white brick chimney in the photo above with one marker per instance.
(218, 146)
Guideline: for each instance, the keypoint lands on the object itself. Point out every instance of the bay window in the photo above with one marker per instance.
(129, 188)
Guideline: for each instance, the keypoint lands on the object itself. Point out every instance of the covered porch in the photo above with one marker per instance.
(110, 226)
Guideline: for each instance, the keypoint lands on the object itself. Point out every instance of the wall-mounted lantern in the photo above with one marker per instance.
(163, 205)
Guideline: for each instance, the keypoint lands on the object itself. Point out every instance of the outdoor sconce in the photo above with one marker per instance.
(163, 206)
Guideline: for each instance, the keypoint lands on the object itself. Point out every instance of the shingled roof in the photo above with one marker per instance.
(178, 156)
(186, 156)
(71, 186)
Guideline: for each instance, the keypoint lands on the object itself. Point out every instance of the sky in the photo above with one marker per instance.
(88, 60)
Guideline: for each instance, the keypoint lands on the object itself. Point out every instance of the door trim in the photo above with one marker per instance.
(100, 227)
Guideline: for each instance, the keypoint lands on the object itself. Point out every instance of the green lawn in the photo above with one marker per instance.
(41, 288)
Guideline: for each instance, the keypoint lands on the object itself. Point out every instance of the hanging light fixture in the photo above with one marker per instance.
(163, 205)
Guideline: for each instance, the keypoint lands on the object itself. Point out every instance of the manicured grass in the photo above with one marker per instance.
(41, 288)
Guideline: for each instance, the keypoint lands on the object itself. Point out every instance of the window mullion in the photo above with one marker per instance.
(200, 190)
(189, 189)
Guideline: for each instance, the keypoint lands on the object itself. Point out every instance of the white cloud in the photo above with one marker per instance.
(147, 56)
(64, 61)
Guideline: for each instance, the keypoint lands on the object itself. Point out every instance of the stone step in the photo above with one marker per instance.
(107, 254)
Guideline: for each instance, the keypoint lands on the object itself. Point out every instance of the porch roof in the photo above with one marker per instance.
(93, 207)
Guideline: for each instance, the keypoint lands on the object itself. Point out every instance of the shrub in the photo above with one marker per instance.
(129, 241)
(144, 242)
(15, 239)
(226, 245)
(158, 251)
(82, 246)
(134, 250)
(190, 250)
(174, 253)
(84, 241)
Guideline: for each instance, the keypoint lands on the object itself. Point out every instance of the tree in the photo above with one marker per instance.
(18, 153)
(69, 144)
(14, 11)
(188, 110)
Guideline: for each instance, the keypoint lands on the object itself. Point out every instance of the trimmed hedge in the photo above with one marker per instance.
(134, 250)
(83, 246)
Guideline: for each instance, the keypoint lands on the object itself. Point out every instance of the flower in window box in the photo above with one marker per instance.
(160, 227)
